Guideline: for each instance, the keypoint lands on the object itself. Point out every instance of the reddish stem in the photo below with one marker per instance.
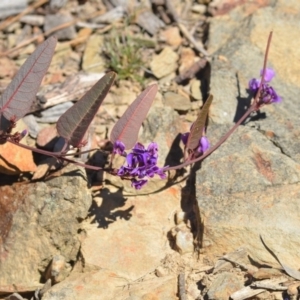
(254, 107)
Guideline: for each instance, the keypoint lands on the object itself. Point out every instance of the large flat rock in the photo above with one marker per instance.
(38, 221)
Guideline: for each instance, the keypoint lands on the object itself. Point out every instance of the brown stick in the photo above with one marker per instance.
(47, 33)
(181, 287)
(26, 11)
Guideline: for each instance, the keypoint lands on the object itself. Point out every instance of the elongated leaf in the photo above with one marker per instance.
(198, 126)
(16, 100)
(73, 124)
(127, 128)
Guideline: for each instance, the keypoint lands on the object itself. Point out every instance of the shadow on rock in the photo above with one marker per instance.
(105, 213)
(243, 104)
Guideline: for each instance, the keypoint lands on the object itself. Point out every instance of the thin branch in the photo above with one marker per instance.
(252, 108)
(51, 31)
(26, 11)
(181, 287)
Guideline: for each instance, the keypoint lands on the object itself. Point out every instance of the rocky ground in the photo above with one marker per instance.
(225, 229)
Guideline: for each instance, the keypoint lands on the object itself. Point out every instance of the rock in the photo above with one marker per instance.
(184, 241)
(245, 189)
(61, 61)
(52, 114)
(55, 5)
(106, 284)
(161, 271)
(67, 33)
(177, 101)
(103, 284)
(149, 21)
(47, 137)
(8, 67)
(33, 20)
(9, 8)
(196, 89)
(39, 221)
(162, 126)
(15, 296)
(187, 59)
(171, 36)
(32, 125)
(160, 288)
(93, 61)
(164, 63)
(224, 285)
(193, 291)
(250, 187)
(58, 269)
(15, 159)
(225, 91)
(266, 273)
(112, 16)
(199, 8)
(180, 217)
(133, 235)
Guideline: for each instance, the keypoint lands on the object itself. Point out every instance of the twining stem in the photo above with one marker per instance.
(254, 107)
(220, 142)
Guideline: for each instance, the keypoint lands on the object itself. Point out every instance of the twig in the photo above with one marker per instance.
(181, 286)
(29, 41)
(192, 71)
(191, 39)
(50, 31)
(184, 30)
(26, 11)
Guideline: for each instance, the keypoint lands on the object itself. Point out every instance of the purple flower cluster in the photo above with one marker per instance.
(203, 142)
(267, 94)
(141, 163)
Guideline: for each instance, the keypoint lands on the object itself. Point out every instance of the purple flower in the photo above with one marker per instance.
(141, 163)
(138, 184)
(184, 137)
(267, 94)
(269, 74)
(119, 148)
(254, 84)
(23, 133)
(203, 142)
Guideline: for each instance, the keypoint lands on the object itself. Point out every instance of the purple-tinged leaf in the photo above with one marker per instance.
(16, 100)
(127, 128)
(73, 124)
(198, 126)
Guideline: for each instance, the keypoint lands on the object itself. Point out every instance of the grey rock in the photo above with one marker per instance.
(149, 22)
(245, 189)
(52, 114)
(111, 16)
(162, 126)
(164, 63)
(33, 126)
(105, 284)
(33, 20)
(15, 296)
(224, 285)
(55, 20)
(250, 187)
(57, 4)
(10, 8)
(41, 221)
(177, 101)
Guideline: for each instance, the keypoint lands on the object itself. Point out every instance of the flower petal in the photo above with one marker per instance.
(269, 74)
